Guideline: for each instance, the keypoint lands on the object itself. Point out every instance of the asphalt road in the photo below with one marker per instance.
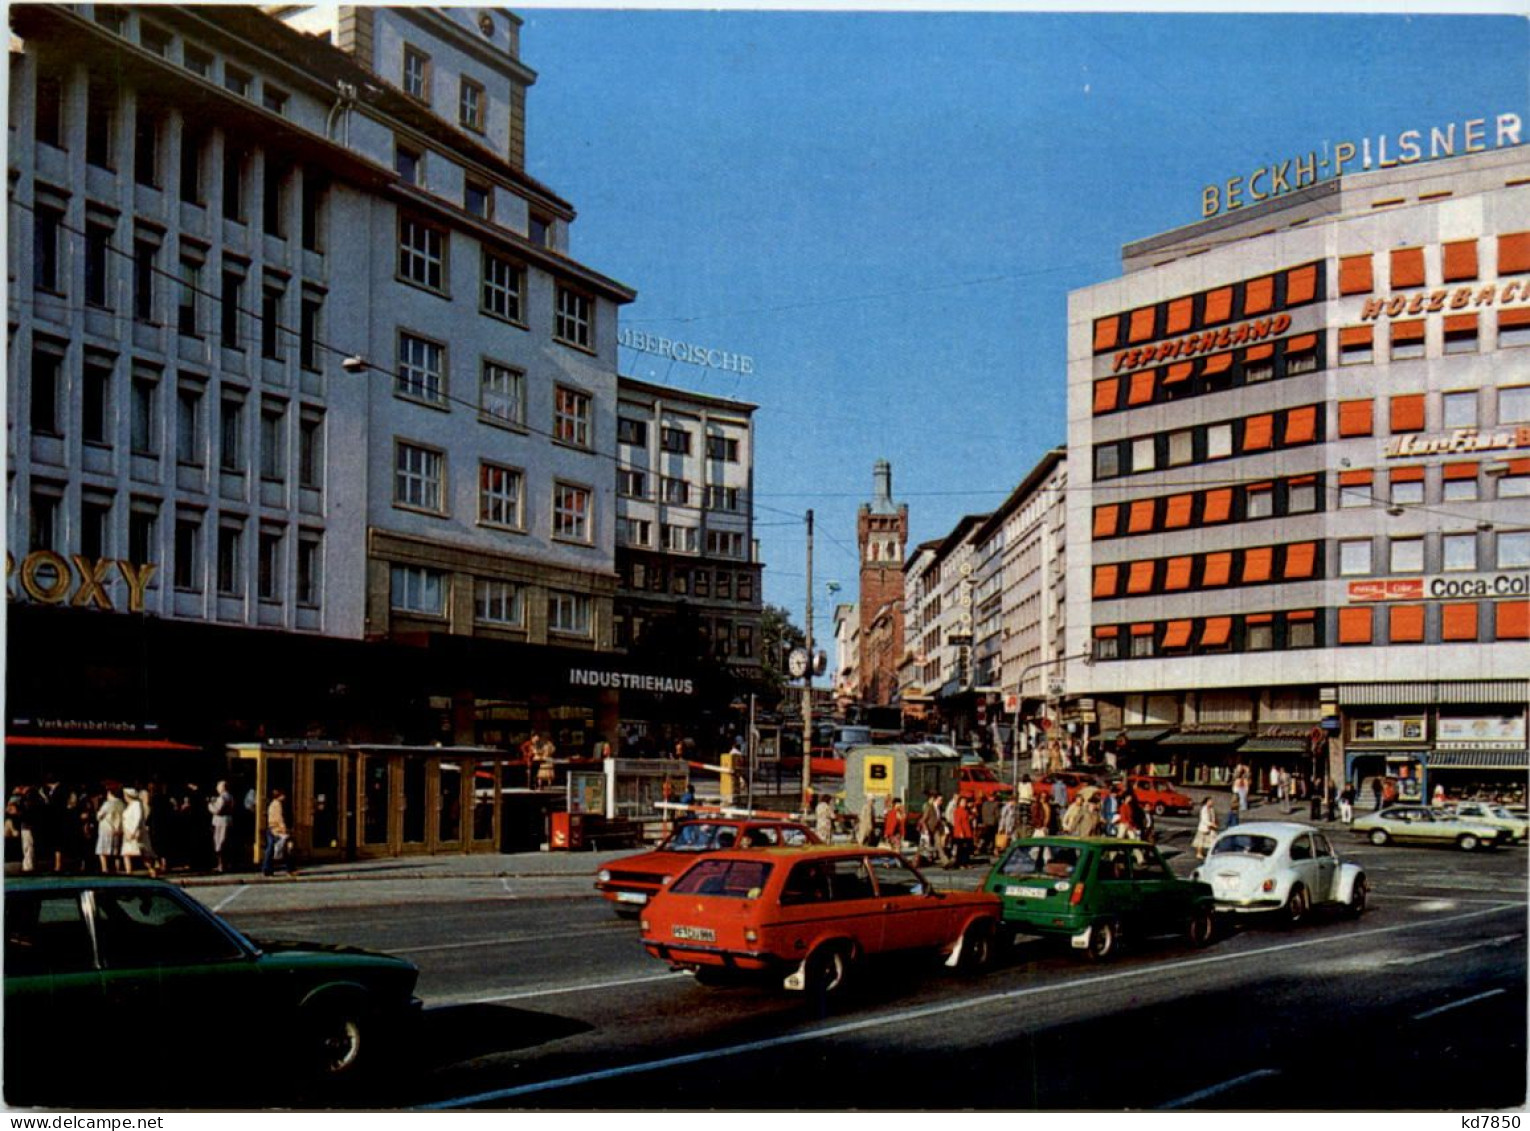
(539, 998)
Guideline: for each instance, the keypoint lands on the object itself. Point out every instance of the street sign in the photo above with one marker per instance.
(1011, 704)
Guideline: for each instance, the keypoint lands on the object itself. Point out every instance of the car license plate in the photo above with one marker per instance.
(1026, 893)
(694, 934)
(631, 897)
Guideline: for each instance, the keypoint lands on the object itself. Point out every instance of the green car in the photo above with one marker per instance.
(1092, 890)
(132, 991)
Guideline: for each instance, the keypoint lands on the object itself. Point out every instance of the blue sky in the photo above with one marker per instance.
(888, 210)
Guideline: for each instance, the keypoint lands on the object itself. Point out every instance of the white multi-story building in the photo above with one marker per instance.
(1299, 504)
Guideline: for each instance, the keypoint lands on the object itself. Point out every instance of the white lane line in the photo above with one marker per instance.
(553, 991)
(1215, 1089)
(1415, 959)
(903, 1017)
(1457, 1004)
(497, 940)
(233, 895)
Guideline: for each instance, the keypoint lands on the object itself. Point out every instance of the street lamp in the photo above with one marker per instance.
(1087, 657)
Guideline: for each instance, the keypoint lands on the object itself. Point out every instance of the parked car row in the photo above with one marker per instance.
(1421, 824)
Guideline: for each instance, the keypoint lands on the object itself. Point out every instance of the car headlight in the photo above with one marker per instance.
(604, 875)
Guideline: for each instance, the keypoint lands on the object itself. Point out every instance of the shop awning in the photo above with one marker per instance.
(1142, 733)
(1258, 745)
(1203, 740)
(53, 743)
(1480, 760)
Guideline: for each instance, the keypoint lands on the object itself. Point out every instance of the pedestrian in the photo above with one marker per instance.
(1287, 793)
(1205, 829)
(1059, 795)
(865, 823)
(962, 831)
(1073, 816)
(221, 808)
(1331, 799)
(1041, 814)
(109, 829)
(1129, 817)
(988, 820)
(1439, 794)
(547, 750)
(1376, 790)
(929, 827)
(1110, 812)
(823, 817)
(1009, 823)
(135, 833)
(1347, 803)
(1240, 788)
(278, 840)
(22, 819)
(892, 825)
(55, 803)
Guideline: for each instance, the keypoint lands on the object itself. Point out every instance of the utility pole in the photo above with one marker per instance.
(807, 682)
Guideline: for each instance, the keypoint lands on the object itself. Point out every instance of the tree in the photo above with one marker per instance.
(778, 636)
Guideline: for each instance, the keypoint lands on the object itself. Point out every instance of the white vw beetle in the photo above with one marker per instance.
(1280, 866)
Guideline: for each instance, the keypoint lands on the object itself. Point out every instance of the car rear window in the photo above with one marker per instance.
(702, 836)
(733, 879)
(1245, 842)
(1049, 860)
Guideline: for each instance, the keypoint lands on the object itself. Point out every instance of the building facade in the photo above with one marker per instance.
(881, 534)
(1298, 525)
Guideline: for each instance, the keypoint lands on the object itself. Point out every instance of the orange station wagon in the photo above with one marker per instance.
(811, 916)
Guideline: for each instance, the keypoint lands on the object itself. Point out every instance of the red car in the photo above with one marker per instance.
(979, 782)
(630, 881)
(811, 916)
(1073, 779)
(1159, 794)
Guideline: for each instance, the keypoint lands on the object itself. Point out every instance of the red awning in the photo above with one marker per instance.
(97, 743)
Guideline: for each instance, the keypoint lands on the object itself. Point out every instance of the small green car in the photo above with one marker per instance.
(1091, 890)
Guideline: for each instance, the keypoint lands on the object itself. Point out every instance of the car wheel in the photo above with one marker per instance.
(1104, 940)
(1160, 809)
(1357, 897)
(336, 1041)
(1379, 836)
(1202, 928)
(1296, 905)
(977, 948)
(828, 972)
(1467, 842)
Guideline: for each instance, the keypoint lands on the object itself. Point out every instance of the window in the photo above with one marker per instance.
(471, 105)
(675, 491)
(1301, 495)
(1460, 410)
(571, 513)
(1356, 418)
(631, 484)
(236, 81)
(676, 440)
(497, 602)
(96, 400)
(229, 311)
(143, 414)
(502, 394)
(1407, 555)
(1259, 500)
(1143, 455)
(268, 564)
(193, 143)
(539, 229)
(1407, 413)
(313, 211)
(98, 243)
(722, 447)
(144, 254)
(725, 543)
(273, 197)
(310, 310)
(416, 73)
(1142, 642)
(503, 285)
(47, 380)
(143, 523)
(1407, 486)
(1355, 624)
(311, 449)
(1259, 633)
(478, 198)
(1219, 441)
(421, 369)
(310, 561)
(421, 253)
(1301, 630)
(233, 181)
(1405, 624)
(573, 322)
(188, 559)
(188, 425)
(1459, 551)
(678, 539)
(146, 147)
(1460, 482)
(1355, 557)
(409, 163)
(186, 320)
(1513, 550)
(1356, 345)
(44, 521)
(48, 112)
(630, 431)
(722, 498)
(1461, 333)
(273, 445)
(1458, 622)
(415, 589)
(634, 532)
(231, 433)
(499, 495)
(47, 260)
(417, 477)
(1181, 447)
(100, 122)
(1514, 404)
(1407, 339)
(273, 98)
(568, 613)
(230, 570)
(571, 417)
(95, 527)
(1107, 461)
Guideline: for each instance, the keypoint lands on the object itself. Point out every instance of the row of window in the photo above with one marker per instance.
(419, 484)
(1215, 373)
(1281, 290)
(658, 576)
(725, 639)
(1204, 443)
(1457, 261)
(1442, 552)
(678, 538)
(418, 81)
(634, 484)
(675, 439)
(1464, 622)
(1408, 338)
(423, 591)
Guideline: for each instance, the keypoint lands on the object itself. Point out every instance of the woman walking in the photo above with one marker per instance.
(1205, 829)
(109, 829)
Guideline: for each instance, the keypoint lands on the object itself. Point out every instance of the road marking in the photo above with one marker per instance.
(233, 895)
(581, 987)
(903, 1017)
(1415, 959)
(1457, 1004)
(500, 940)
(1225, 1085)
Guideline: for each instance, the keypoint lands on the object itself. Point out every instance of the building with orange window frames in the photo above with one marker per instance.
(1299, 515)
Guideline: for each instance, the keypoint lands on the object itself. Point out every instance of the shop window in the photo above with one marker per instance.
(1408, 340)
(1405, 624)
(1355, 276)
(1407, 413)
(1355, 625)
(1458, 622)
(1407, 267)
(1356, 345)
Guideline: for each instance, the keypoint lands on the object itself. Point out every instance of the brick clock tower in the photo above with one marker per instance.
(881, 533)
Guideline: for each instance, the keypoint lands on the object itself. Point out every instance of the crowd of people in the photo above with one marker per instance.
(113, 827)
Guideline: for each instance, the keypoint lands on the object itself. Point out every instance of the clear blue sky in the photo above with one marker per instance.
(888, 210)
